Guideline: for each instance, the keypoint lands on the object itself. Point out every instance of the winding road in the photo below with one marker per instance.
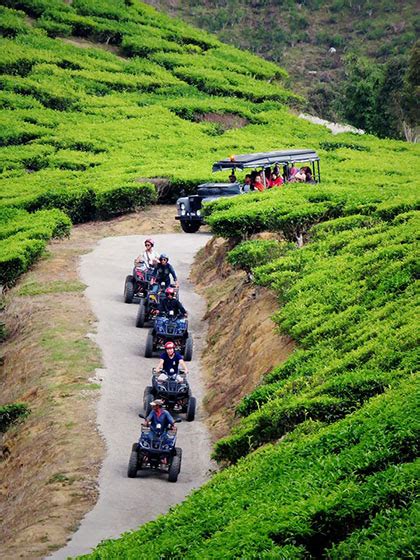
(126, 503)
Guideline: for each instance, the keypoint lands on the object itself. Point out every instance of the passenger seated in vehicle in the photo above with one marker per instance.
(275, 181)
(170, 303)
(247, 183)
(150, 257)
(232, 178)
(308, 173)
(258, 184)
(292, 171)
(169, 363)
(299, 177)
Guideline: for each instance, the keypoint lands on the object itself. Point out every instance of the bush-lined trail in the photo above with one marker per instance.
(126, 503)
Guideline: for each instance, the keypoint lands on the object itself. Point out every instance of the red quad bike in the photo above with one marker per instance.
(137, 284)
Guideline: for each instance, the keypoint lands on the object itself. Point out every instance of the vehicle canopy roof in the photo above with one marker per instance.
(265, 159)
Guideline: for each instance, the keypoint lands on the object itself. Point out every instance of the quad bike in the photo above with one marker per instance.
(149, 304)
(174, 391)
(155, 450)
(169, 328)
(137, 284)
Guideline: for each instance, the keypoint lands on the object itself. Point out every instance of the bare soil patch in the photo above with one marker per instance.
(225, 121)
(50, 462)
(242, 342)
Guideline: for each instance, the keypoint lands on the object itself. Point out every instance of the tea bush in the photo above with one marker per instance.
(11, 413)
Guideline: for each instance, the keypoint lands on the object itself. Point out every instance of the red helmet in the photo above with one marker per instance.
(169, 345)
(152, 243)
(170, 291)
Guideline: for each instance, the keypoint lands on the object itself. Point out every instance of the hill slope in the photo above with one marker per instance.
(326, 448)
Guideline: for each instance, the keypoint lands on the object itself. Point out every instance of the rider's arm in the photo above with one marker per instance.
(149, 418)
(173, 273)
(181, 308)
(170, 420)
(183, 365)
(160, 365)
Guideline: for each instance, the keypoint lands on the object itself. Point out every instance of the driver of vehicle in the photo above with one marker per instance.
(159, 418)
(149, 257)
(170, 303)
(169, 362)
(162, 273)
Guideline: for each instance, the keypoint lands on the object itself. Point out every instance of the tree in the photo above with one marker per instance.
(411, 97)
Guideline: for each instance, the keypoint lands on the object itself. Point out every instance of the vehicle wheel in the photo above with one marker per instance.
(129, 289)
(178, 453)
(174, 469)
(147, 399)
(133, 464)
(188, 352)
(141, 314)
(192, 403)
(148, 351)
(190, 227)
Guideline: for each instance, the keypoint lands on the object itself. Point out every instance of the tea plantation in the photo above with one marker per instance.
(102, 97)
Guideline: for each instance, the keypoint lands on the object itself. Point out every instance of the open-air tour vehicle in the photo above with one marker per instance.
(190, 207)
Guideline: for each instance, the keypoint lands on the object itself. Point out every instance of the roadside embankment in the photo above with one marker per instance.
(242, 342)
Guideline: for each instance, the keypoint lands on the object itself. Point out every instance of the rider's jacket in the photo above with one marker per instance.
(171, 304)
(164, 419)
(163, 273)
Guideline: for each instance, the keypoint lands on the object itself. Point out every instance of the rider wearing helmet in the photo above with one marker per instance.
(170, 303)
(150, 257)
(163, 271)
(171, 360)
(160, 416)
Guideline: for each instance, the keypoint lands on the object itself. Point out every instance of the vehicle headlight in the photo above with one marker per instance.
(145, 444)
(182, 206)
(198, 212)
(165, 447)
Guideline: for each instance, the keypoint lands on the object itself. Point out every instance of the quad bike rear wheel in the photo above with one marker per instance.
(133, 463)
(192, 403)
(141, 314)
(188, 352)
(148, 351)
(129, 289)
(174, 469)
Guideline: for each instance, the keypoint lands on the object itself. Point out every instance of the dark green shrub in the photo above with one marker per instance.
(11, 413)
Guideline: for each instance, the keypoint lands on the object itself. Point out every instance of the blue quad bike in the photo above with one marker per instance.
(169, 328)
(174, 391)
(149, 304)
(137, 284)
(156, 450)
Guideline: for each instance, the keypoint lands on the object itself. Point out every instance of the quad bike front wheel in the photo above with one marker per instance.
(133, 463)
(129, 289)
(192, 404)
(174, 469)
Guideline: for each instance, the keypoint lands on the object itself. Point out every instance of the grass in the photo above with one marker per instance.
(55, 287)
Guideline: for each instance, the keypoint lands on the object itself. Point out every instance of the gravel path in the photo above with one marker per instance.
(125, 503)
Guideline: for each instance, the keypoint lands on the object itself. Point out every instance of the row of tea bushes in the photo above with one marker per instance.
(23, 238)
(322, 491)
(349, 300)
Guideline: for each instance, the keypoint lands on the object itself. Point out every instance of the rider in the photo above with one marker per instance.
(170, 303)
(149, 257)
(162, 273)
(170, 360)
(160, 416)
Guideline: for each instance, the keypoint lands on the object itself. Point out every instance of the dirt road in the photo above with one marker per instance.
(125, 503)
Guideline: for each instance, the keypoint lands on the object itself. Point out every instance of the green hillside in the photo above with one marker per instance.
(348, 58)
(103, 99)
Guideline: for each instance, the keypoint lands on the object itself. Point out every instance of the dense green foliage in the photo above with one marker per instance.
(372, 41)
(11, 413)
(84, 129)
(322, 456)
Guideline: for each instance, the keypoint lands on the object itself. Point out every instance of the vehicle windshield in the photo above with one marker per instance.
(222, 190)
